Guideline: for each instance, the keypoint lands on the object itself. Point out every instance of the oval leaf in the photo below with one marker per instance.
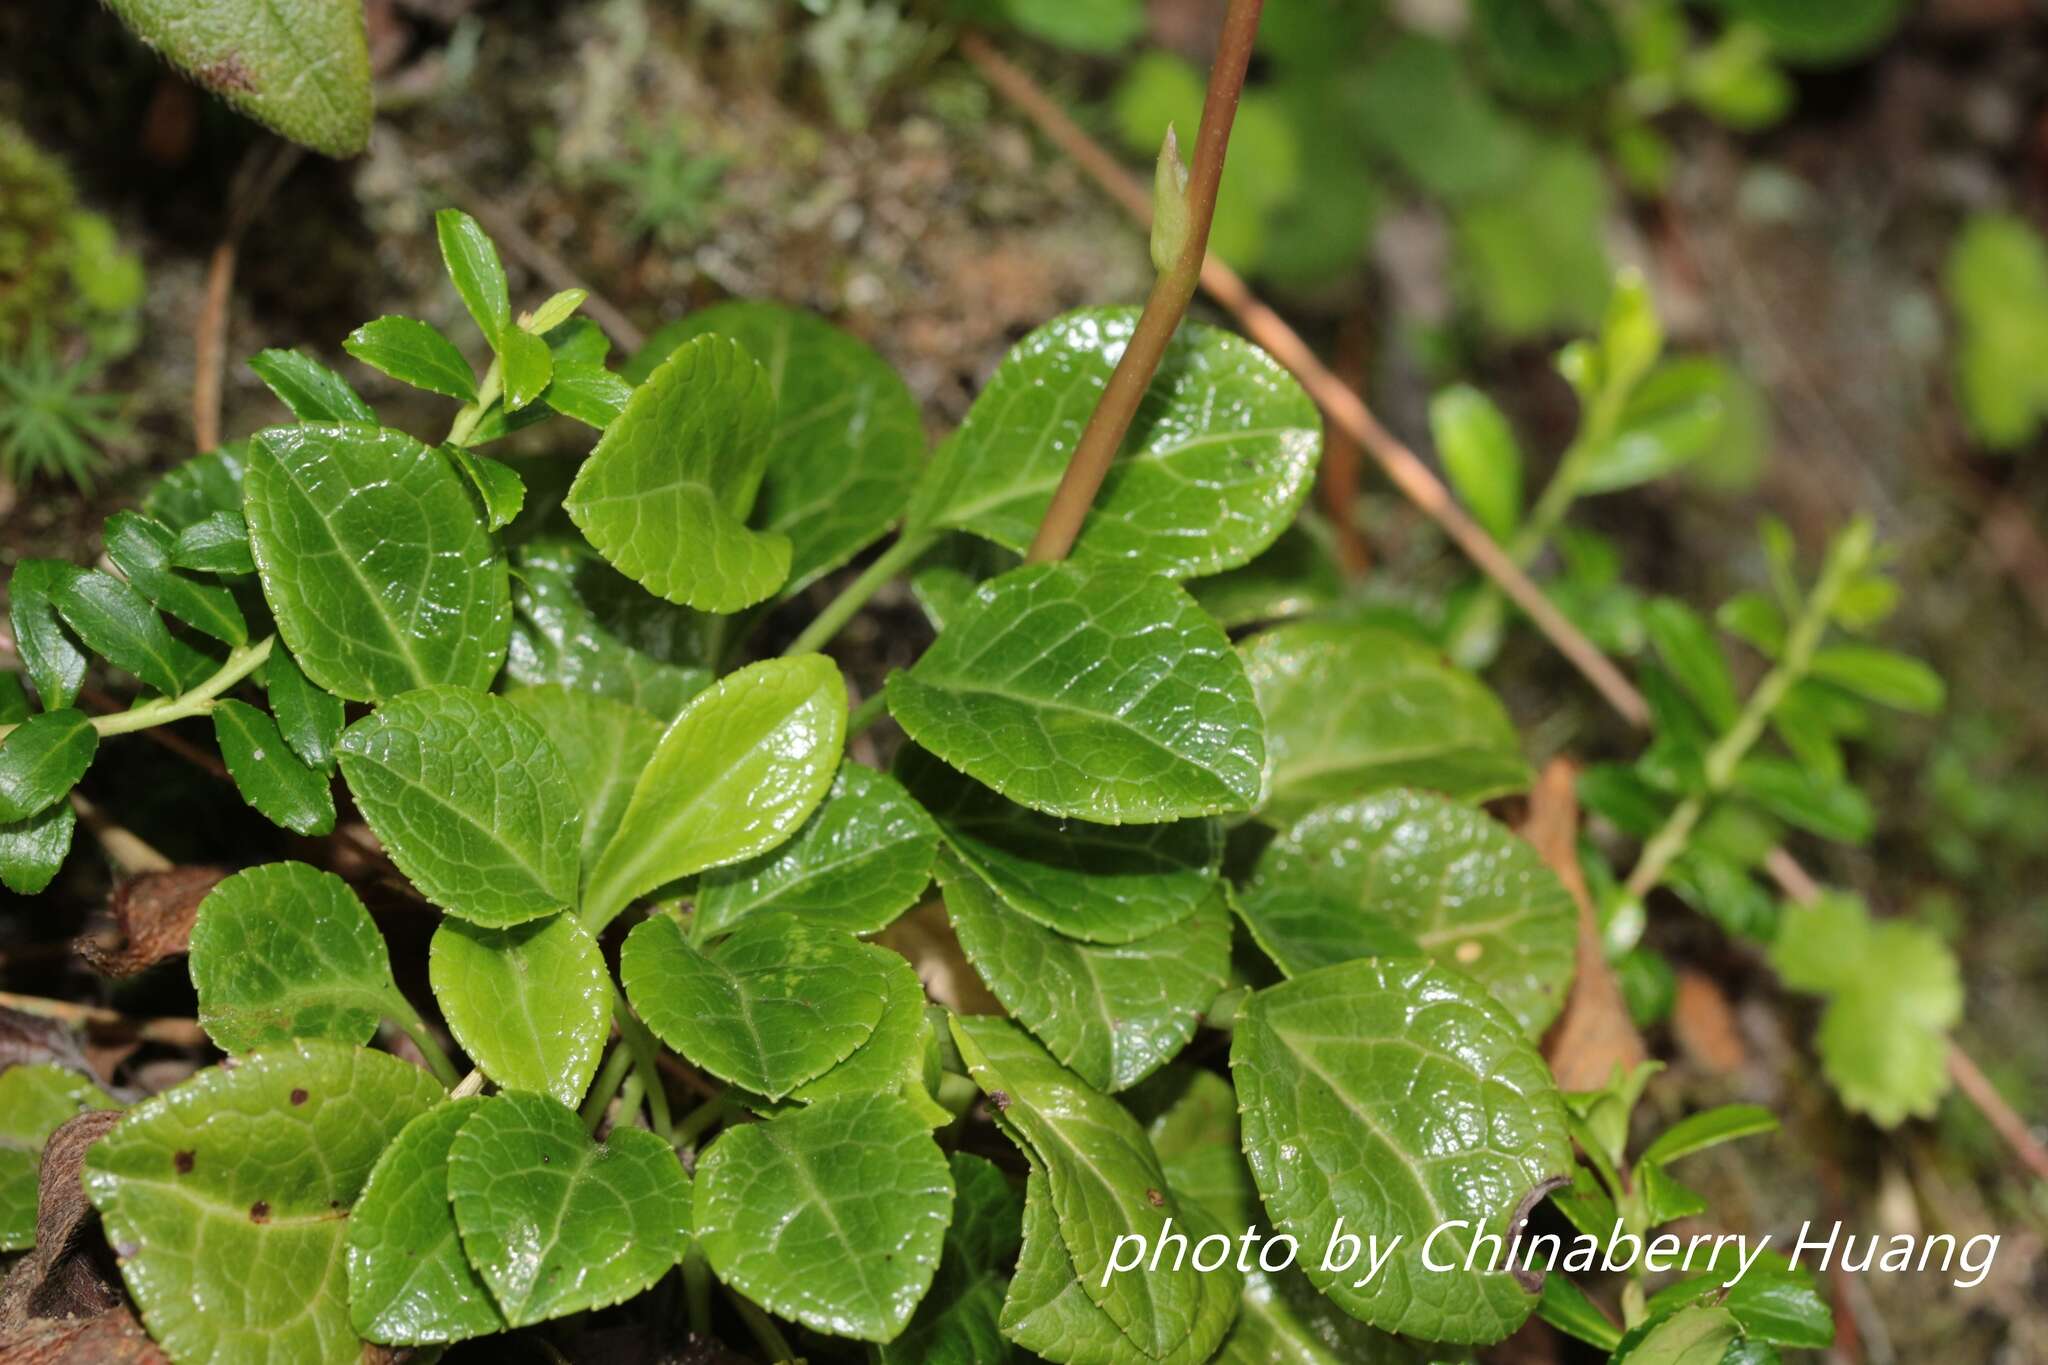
(41, 760)
(415, 353)
(142, 550)
(268, 774)
(531, 1005)
(605, 744)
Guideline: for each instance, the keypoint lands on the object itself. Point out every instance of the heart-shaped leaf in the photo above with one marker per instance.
(223, 1198)
(862, 859)
(738, 771)
(1414, 1074)
(556, 1223)
(774, 1005)
(832, 1216)
(1351, 710)
(665, 494)
(1443, 877)
(957, 1318)
(41, 759)
(1114, 1013)
(605, 744)
(269, 775)
(1102, 694)
(531, 1004)
(375, 561)
(470, 799)
(409, 1283)
(35, 1100)
(587, 627)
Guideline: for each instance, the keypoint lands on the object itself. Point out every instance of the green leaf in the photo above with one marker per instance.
(556, 1223)
(143, 550)
(1352, 710)
(33, 850)
(286, 951)
(415, 353)
(309, 718)
(1829, 807)
(1688, 648)
(276, 781)
(374, 561)
(116, 622)
(1101, 883)
(605, 744)
(793, 1212)
(1709, 1128)
(1446, 878)
(471, 800)
(1103, 694)
(1755, 619)
(300, 66)
(531, 1005)
(35, 1100)
(585, 626)
(217, 543)
(408, 1280)
(313, 392)
(1480, 456)
(738, 772)
(1679, 413)
(1696, 1335)
(41, 759)
(956, 1321)
(1105, 1182)
(1220, 454)
(774, 1005)
(555, 310)
(242, 1169)
(200, 487)
(1549, 53)
(1104, 27)
(1112, 1013)
(587, 392)
(1773, 1303)
(1821, 34)
(892, 1060)
(1531, 255)
(665, 495)
(1295, 576)
(847, 445)
(1996, 278)
(49, 654)
(1881, 676)
(501, 491)
(528, 366)
(862, 859)
(1566, 1307)
(1326, 1066)
(472, 261)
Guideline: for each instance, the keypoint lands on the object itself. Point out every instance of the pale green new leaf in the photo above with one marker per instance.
(531, 1005)
(35, 1100)
(1480, 456)
(273, 779)
(956, 1321)
(605, 745)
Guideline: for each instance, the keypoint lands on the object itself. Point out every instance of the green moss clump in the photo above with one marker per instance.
(61, 266)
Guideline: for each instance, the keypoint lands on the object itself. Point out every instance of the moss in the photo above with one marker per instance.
(60, 265)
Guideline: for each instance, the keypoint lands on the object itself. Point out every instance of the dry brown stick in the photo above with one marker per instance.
(256, 179)
(175, 1032)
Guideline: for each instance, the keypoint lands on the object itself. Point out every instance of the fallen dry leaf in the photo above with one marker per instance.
(153, 916)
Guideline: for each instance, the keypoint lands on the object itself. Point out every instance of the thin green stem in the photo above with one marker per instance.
(466, 420)
(239, 664)
(646, 1061)
(855, 595)
(763, 1327)
(697, 1290)
(631, 1093)
(699, 1120)
(867, 713)
(606, 1085)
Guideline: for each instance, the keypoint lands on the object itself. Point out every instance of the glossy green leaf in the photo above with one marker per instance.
(847, 444)
(1695, 1335)
(1295, 576)
(531, 1005)
(583, 625)
(892, 1060)
(1105, 1182)
(738, 772)
(832, 1216)
(478, 274)
(221, 1196)
(1566, 1307)
(217, 543)
(1481, 457)
(1099, 883)
(203, 485)
(471, 800)
(117, 622)
(1688, 648)
(309, 718)
(41, 759)
(556, 1223)
(1112, 1013)
(33, 850)
(142, 550)
(374, 561)
(49, 654)
(35, 1100)
(1103, 694)
(501, 491)
(1444, 877)
(313, 392)
(286, 951)
(587, 392)
(774, 1005)
(1220, 454)
(415, 353)
(1351, 710)
(862, 859)
(1326, 1067)
(282, 787)
(1881, 676)
(300, 66)
(528, 366)
(956, 1321)
(1772, 1302)
(409, 1282)
(605, 745)
(665, 495)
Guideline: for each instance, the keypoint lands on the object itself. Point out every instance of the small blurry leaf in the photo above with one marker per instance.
(313, 392)
(1677, 414)
(1881, 676)
(1997, 281)
(1709, 1128)
(217, 543)
(1418, 102)
(1688, 648)
(415, 353)
(1865, 602)
(1104, 26)
(142, 550)
(118, 623)
(501, 490)
(1533, 256)
(49, 654)
(1826, 806)
(1754, 619)
(479, 276)
(1481, 457)
(531, 1005)
(309, 718)
(1549, 52)
(270, 776)
(41, 759)
(1821, 34)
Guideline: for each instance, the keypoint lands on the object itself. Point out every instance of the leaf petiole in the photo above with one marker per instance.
(605, 1086)
(466, 421)
(199, 701)
(892, 561)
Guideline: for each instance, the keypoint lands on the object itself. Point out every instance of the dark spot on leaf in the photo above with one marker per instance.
(259, 1212)
(1000, 1099)
(226, 73)
(298, 1096)
(183, 1161)
(1157, 1199)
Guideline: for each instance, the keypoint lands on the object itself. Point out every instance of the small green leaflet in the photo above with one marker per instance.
(33, 850)
(528, 366)
(531, 1005)
(585, 626)
(478, 274)
(49, 654)
(1220, 454)
(470, 799)
(217, 543)
(244, 1167)
(774, 1005)
(415, 353)
(1351, 710)
(738, 771)
(1102, 694)
(605, 745)
(1324, 1065)
(1412, 868)
(375, 561)
(286, 951)
(116, 622)
(200, 487)
(956, 1321)
(143, 550)
(313, 392)
(1686, 644)
(862, 859)
(1480, 456)
(41, 759)
(501, 491)
(556, 1223)
(793, 1212)
(35, 1100)
(409, 1282)
(665, 495)
(273, 779)
(309, 718)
